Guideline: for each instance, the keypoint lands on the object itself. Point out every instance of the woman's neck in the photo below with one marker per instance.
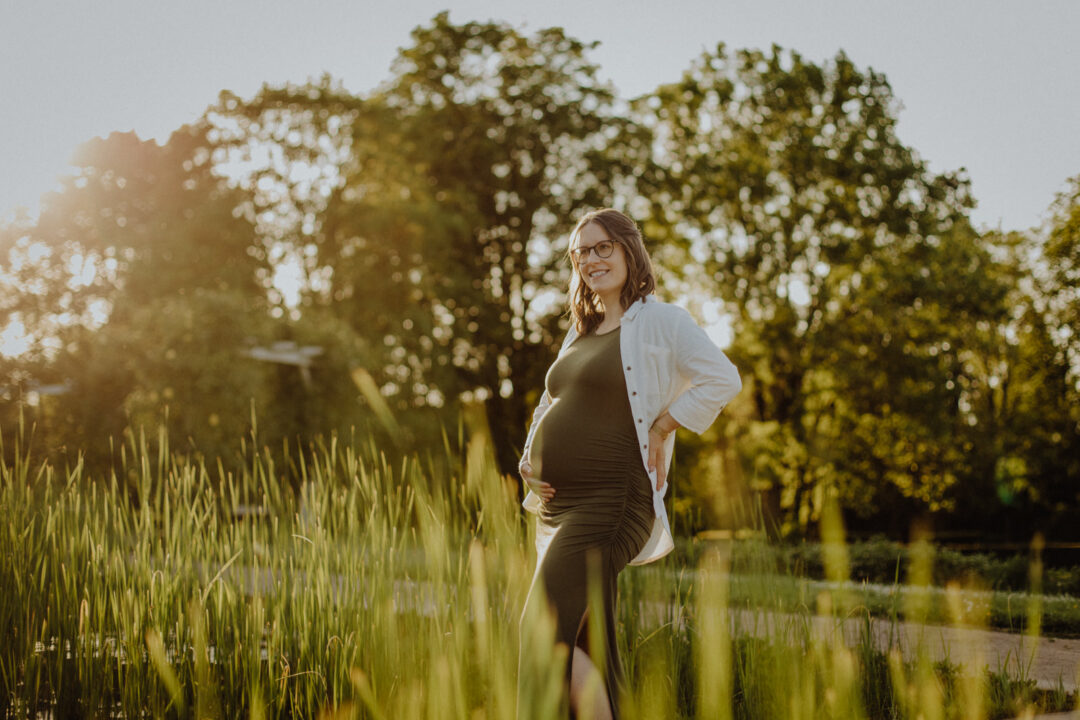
(613, 312)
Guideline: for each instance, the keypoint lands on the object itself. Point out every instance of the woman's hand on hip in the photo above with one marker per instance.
(657, 461)
(658, 434)
(538, 486)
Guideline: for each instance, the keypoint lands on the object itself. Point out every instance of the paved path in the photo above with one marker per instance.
(1047, 660)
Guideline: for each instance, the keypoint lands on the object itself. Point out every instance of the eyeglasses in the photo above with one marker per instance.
(603, 249)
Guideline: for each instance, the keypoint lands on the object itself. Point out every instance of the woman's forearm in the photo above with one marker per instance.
(665, 424)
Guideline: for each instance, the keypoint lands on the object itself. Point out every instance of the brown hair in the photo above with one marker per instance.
(585, 307)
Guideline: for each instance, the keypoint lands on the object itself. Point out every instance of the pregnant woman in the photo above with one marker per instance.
(631, 370)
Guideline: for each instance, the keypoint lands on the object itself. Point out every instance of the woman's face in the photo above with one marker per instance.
(605, 276)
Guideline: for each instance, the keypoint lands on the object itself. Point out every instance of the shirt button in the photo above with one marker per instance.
(627, 367)
(634, 392)
(639, 419)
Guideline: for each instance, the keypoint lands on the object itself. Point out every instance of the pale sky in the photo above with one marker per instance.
(990, 85)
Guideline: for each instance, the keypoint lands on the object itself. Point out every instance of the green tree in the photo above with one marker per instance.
(141, 237)
(1062, 288)
(444, 226)
(849, 268)
(1042, 472)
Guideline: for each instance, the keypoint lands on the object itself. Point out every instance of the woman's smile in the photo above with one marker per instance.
(597, 280)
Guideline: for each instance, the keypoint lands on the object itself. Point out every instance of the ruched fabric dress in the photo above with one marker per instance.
(586, 447)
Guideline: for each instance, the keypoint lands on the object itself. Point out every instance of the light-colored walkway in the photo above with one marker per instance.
(1046, 660)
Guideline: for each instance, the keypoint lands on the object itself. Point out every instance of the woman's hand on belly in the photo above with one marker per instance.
(538, 486)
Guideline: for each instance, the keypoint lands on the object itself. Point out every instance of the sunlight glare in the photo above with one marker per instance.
(14, 340)
(718, 324)
(288, 280)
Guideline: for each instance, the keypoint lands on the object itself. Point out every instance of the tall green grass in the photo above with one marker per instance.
(340, 584)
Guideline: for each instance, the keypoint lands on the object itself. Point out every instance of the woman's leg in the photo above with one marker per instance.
(559, 591)
(599, 654)
(588, 697)
(563, 580)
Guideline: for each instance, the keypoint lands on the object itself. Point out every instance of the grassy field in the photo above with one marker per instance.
(338, 585)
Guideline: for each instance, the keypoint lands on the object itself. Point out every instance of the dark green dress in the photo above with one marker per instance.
(586, 447)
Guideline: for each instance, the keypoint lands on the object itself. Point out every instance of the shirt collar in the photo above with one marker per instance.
(635, 308)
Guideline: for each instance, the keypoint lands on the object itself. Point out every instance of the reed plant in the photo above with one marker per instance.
(343, 582)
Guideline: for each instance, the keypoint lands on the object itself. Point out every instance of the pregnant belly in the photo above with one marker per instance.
(574, 454)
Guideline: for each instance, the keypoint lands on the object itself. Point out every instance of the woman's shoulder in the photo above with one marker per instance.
(663, 312)
(663, 323)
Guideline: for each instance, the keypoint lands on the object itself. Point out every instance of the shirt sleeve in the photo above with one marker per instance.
(541, 408)
(714, 379)
(532, 500)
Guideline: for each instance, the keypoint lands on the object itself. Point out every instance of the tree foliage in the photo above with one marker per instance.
(856, 285)
(445, 224)
(135, 280)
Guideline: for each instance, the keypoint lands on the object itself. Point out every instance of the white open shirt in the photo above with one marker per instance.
(669, 364)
